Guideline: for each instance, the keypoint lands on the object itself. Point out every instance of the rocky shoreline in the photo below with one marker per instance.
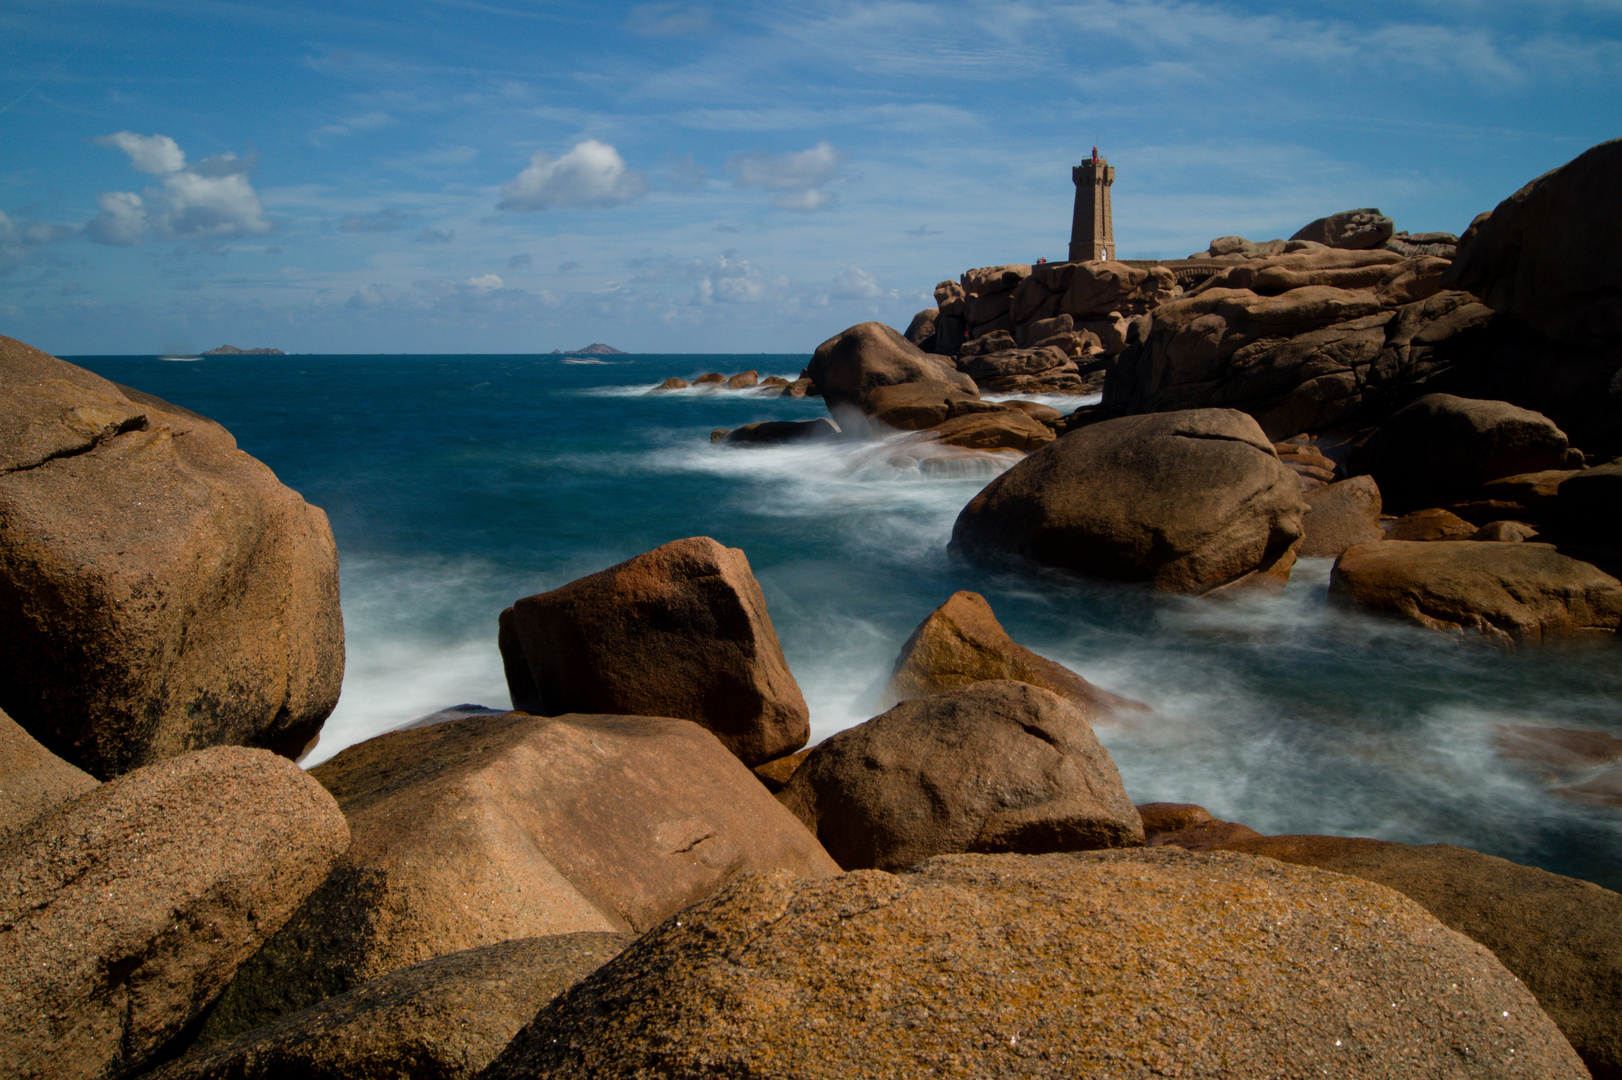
(643, 871)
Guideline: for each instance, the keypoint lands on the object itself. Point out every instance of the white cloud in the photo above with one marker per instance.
(155, 154)
(483, 283)
(211, 200)
(804, 201)
(122, 219)
(591, 174)
(787, 172)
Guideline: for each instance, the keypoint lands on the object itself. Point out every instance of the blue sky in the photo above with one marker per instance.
(511, 176)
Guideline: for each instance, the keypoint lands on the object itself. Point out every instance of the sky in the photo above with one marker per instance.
(509, 176)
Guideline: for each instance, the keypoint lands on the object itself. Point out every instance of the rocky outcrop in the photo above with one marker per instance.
(1351, 229)
(124, 911)
(470, 833)
(1105, 964)
(1547, 255)
(32, 779)
(962, 643)
(781, 432)
(996, 766)
(680, 631)
(1443, 448)
(160, 591)
(919, 405)
(1340, 515)
(1186, 502)
(1523, 593)
(850, 365)
(1005, 429)
(443, 1019)
(921, 331)
(1560, 936)
(1302, 342)
(672, 383)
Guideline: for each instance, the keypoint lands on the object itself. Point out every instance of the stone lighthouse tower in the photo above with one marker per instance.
(1092, 229)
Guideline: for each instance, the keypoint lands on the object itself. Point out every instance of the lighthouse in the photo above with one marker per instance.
(1092, 228)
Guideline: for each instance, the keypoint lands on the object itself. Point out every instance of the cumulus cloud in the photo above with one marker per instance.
(210, 200)
(591, 174)
(483, 283)
(797, 176)
(155, 154)
(786, 172)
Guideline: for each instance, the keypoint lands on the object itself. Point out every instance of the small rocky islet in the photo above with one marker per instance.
(642, 870)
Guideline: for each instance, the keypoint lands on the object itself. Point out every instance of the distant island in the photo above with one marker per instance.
(232, 350)
(596, 348)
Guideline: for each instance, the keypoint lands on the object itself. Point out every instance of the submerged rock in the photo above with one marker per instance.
(160, 590)
(1104, 964)
(470, 833)
(1186, 502)
(779, 432)
(443, 1019)
(1523, 593)
(995, 766)
(124, 911)
(681, 631)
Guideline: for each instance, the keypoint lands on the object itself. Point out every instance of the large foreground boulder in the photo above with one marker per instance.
(1187, 502)
(993, 767)
(681, 631)
(1560, 936)
(1510, 593)
(852, 363)
(1547, 255)
(962, 643)
(124, 911)
(443, 1019)
(32, 779)
(160, 590)
(1103, 965)
(473, 832)
(1443, 448)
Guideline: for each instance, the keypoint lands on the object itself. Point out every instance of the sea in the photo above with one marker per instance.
(458, 484)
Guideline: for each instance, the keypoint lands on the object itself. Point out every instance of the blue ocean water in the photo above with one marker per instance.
(456, 484)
